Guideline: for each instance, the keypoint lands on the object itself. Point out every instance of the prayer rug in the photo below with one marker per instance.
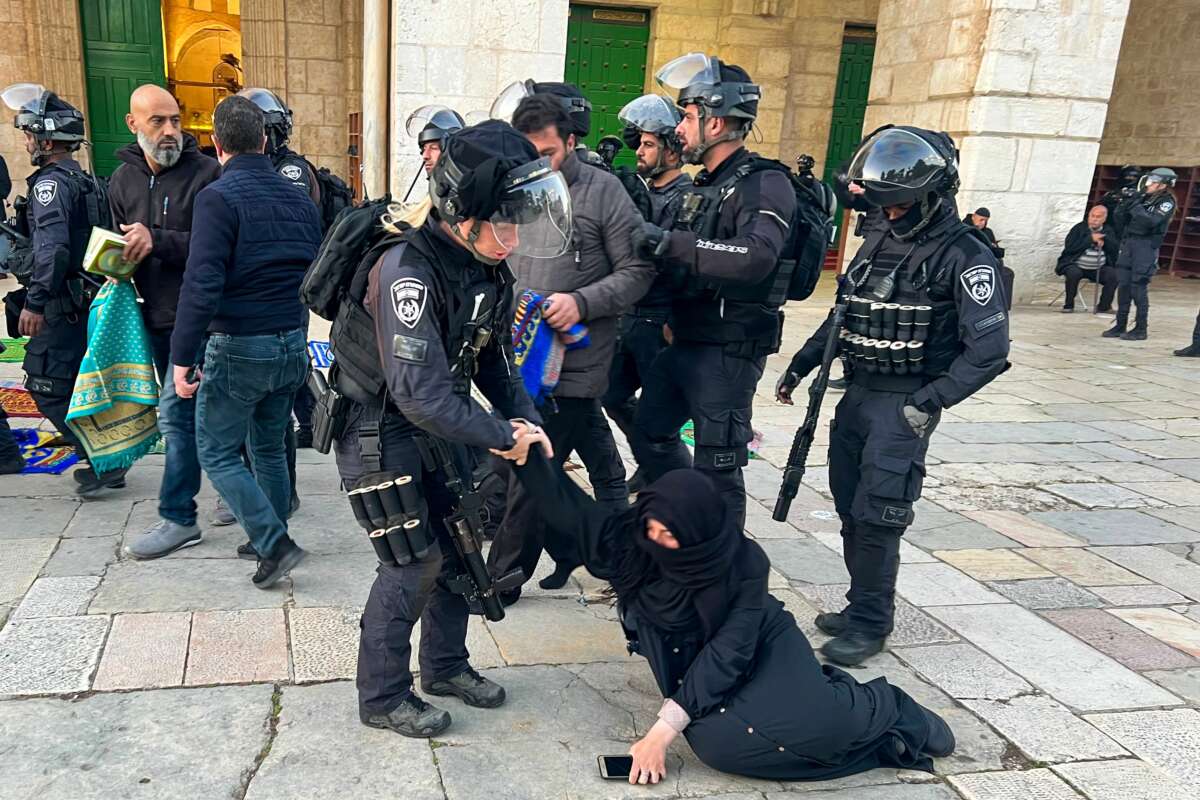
(40, 458)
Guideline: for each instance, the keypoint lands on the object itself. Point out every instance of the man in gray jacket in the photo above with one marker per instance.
(594, 282)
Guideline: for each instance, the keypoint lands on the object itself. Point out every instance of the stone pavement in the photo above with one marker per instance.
(1049, 608)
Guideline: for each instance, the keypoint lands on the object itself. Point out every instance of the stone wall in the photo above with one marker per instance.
(790, 47)
(461, 53)
(303, 49)
(1023, 86)
(1156, 95)
(39, 43)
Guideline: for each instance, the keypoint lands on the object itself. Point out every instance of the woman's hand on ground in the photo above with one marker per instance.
(650, 754)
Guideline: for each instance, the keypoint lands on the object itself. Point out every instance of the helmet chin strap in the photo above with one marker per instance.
(469, 242)
(697, 156)
(928, 210)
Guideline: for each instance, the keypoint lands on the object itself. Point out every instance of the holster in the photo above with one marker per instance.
(330, 412)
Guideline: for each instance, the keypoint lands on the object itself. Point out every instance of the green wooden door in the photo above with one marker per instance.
(122, 49)
(849, 104)
(606, 58)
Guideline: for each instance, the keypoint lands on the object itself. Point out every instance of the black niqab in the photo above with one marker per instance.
(680, 590)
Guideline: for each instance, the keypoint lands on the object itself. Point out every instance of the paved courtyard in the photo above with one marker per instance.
(1050, 610)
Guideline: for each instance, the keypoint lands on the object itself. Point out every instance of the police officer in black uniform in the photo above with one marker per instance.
(926, 328)
(431, 125)
(650, 123)
(441, 303)
(726, 247)
(278, 123)
(63, 203)
(1143, 222)
(1123, 193)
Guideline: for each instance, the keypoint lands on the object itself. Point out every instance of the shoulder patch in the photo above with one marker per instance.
(1166, 206)
(290, 171)
(44, 191)
(408, 300)
(979, 283)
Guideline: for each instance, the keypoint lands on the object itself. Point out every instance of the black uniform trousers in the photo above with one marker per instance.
(1107, 279)
(641, 340)
(9, 449)
(1196, 332)
(52, 360)
(573, 424)
(876, 470)
(1136, 289)
(713, 388)
(402, 595)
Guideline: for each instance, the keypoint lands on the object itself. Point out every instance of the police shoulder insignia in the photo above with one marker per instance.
(408, 300)
(44, 191)
(1166, 206)
(979, 283)
(291, 172)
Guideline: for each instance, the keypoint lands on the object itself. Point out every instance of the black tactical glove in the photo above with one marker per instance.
(788, 382)
(649, 240)
(917, 419)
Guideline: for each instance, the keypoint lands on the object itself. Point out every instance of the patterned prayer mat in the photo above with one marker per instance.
(18, 402)
(41, 459)
(14, 351)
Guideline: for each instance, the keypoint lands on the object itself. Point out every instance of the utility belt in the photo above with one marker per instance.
(655, 314)
(904, 384)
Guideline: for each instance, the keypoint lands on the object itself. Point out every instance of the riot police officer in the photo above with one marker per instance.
(63, 204)
(430, 125)
(728, 246)
(1124, 192)
(1143, 222)
(926, 328)
(440, 299)
(650, 123)
(288, 162)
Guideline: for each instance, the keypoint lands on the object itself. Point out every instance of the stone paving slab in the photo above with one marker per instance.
(324, 643)
(962, 671)
(322, 751)
(89, 556)
(1101, 495)
(1185, 467)
(962, 535)
(1047, 593)
(941, 585)
(1006, 474)
(1168, 740)
(992, 565)
(106, 517)
(1127, 473)
(1052, 659)
(1119, 639)
(167, 744)
(175, 584)
(1166, 626)
(993, 498)
(57, 597)
(50, 656)
(1183, 682)
(1177, 492)
(1188, 517)
(1168, 448)
(1121, 429)
(342, 580)
(899, 792)
(1113, 452)
(805, 560)
(1159, 566)
(1036, 784)
(145, 651)
(1023, 530)
(30, 517)
(1147, 595)
(1117, 526)
(912, 626)
(1083, 567)
(1126, 779)
(20, 562)
(1091, 412)
(543, 631)
(1045, 730)
(246, 646)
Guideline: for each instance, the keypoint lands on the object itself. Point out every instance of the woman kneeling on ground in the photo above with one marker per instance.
(739, 678)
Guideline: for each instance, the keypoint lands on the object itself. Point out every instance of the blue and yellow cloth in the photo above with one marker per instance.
(113, 408)
(539, 349)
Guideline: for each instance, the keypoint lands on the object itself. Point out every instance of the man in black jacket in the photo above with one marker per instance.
(1090, 252)
(151, 195)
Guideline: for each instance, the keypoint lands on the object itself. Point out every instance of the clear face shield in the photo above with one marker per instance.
(440, 117)
(687, 70)
(1149, 184)
(29, 101)
(650, 113)
(534, 215)
(509, 98)
(896, 159)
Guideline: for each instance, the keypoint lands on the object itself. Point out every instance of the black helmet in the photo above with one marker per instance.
(574, 103)
(433, 123)
(720, 90)
(491, 173)
(1130, 174)
(653, 114)
(277, 117)
(1162, 175)
(901, 164)
(44, 114)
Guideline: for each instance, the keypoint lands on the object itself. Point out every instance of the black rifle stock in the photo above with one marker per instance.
(794, 471)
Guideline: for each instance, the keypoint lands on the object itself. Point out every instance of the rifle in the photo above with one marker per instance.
(794, 471)
(465, 527)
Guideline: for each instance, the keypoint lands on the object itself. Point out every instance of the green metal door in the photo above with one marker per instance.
(849, 104)
(122, 49)
(606, 58)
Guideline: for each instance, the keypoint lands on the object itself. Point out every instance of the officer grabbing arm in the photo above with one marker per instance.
(926, 327)
(440, 302)
(1145, 220)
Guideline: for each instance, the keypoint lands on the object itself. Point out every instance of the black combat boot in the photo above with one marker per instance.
(941, 739)
(470, 687)
(1116, 331)
(558, 579)
(286, 556)
(1138, 334)
(414, 717)
(852, 648)
(833, 623)
(91, 484)
(1191, 351)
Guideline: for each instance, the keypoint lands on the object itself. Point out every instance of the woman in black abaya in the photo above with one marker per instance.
(738, 677)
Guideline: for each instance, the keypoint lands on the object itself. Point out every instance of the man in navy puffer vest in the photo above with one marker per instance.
(253, 235)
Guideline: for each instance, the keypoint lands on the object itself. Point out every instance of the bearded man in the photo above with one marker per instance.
(151, 195)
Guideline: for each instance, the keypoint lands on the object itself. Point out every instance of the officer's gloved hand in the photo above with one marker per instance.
(787, 384)
(917, 419)
(649, 240)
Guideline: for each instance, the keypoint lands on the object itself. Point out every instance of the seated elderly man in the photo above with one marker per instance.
(1090, 252)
